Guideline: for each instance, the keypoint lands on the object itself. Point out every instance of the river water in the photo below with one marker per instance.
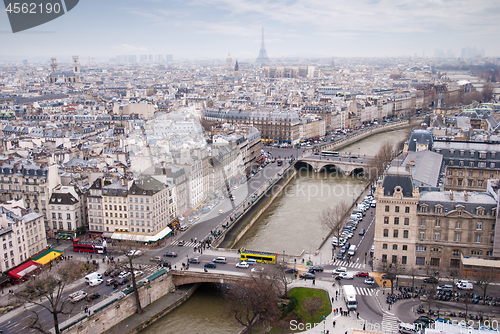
(290, 224)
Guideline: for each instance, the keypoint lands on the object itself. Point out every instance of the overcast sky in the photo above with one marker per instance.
(212, 28)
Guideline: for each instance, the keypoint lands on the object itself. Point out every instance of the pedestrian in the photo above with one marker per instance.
(332, 300)
(334, 322)
(327, 331)
(335, 297)
(341, 310)
(364, 326)
(314, 282)
(357, 315)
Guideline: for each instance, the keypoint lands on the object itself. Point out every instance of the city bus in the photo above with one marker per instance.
(88, 246)
(328, 153)
(262, 257)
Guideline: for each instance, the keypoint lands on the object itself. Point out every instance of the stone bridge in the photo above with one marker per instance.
(181, 277)
(347, 165)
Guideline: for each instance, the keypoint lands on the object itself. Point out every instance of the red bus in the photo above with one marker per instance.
(88, 246)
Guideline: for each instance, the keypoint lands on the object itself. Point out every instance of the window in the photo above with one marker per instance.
(384, 246)
(422, 235)
(396, 209)
(422, 222)
(479, 226)
(386, 232)
(437, 235)
(396, 220)
(450, 172)
(458, 224)
(438, 222)
(439, 209)
(395, 247)
(386, 220)
(403, 260)
(478, 238)
(395, 233)
(394, 259)
(470, 183)
(407, 209)
(407, 221)
(455, 252)
(423, 208)
(420, 261)
(384, 258)
(435, 261)
(435, 249)
(387, 208)
(405, 247)
(405, 234)
(458, 237)
(479, 183)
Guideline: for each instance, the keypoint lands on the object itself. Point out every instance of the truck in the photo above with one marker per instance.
(77, 296)
(352, 250)
(350, 297)
(464, 285)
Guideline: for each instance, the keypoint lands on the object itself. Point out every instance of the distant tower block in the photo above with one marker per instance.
(76, 64)
(229, 61)
(333, 62)
(262, 54)
(236, 70)
(53, 64)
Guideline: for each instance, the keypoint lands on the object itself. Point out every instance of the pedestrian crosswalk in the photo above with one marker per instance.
(186, 244)
(365, 291)
(390, 323)
(347, 264)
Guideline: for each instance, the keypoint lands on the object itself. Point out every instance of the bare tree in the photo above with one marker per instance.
(130, 250)
(379, 163)
(487, 91)
(412, 272)
(47, 292)
(279, 278)
(256, 298)
(333, 218)
(483, 279)
(392, 271)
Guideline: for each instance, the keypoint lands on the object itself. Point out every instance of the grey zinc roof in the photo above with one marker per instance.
(474, 200)
(425, 167)
(394, 177)
(421, 137)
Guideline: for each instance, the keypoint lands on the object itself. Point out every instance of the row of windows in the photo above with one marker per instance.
(471, 173)
(457, 238)
(396, 221)
(116, 215)
(116, 207)
(470, 183)
(404, 259)
(395, 233)
(395, 247)
(59, 215)
(480, 164)
(396, 209)
(458, 224)
(472, 153)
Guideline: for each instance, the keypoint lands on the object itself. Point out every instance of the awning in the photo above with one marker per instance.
(107, 234)
(4, 279)
(141, 237)
(47, 256)
(23, 269)
(187, 213)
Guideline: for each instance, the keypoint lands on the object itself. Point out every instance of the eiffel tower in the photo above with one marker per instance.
(262, 58)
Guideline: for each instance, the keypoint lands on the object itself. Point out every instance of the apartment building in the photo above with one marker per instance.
(67, 211)
(114, 204)
(95, 208)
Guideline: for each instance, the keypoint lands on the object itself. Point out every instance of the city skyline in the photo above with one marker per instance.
(211, 28)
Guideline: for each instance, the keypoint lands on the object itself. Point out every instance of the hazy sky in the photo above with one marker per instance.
(211, 28)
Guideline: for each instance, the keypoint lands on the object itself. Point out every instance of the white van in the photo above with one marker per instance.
(92, 276)
(352, 250)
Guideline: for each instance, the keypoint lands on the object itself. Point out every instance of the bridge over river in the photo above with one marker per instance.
(347, 164)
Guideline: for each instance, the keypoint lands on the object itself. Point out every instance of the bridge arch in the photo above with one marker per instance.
(302, 165)
(359, 171)
(332, 169)
(192, 277)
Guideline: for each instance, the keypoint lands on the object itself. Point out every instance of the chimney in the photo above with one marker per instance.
(451, 195)
(466, 196)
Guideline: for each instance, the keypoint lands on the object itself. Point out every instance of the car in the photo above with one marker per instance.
(232, 198)
(221, 197)
(115, 273)
(362, 231)
(347, 275)
(430, 280)
(108, 272)
(316, 269)
(210, 265)
(135, 252)
(165, 264)
(257, 269)
(155, 259)
(340, 255)
(95, 282)
(425, 319)
(242, 265)
(387, 276)
(93, 296)
(194, 260)
(307, 276)
(122, 280)
(220, 259)
(180, 243)
(445, 287)
(370, 280)
(236, 187)
(338, 278)
(125, 273)
(291, 270)
(170, 254)
(362, 274)
(221, 211)
(339, 270)
(183, 227)
(251, 261)
(110, 281)
(138, 273)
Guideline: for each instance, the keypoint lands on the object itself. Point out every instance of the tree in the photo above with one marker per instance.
(47, 292)
(487, 91)
(279, 278)
(129, 249)
(412, 272)
(252, 299)
(392, 271)
(379, 163)
(333, 218)
(483, 279)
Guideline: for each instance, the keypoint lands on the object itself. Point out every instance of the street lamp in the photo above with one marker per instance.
(283, 256)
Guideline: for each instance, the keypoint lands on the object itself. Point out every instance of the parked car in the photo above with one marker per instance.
(93, 296)
(362, 231)
(430, 280)
(464, 285)
(445, 287)
(291, 270)
(194, 260)
(170, 254)
(122, 280)
(210, 265)
(307, 276)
